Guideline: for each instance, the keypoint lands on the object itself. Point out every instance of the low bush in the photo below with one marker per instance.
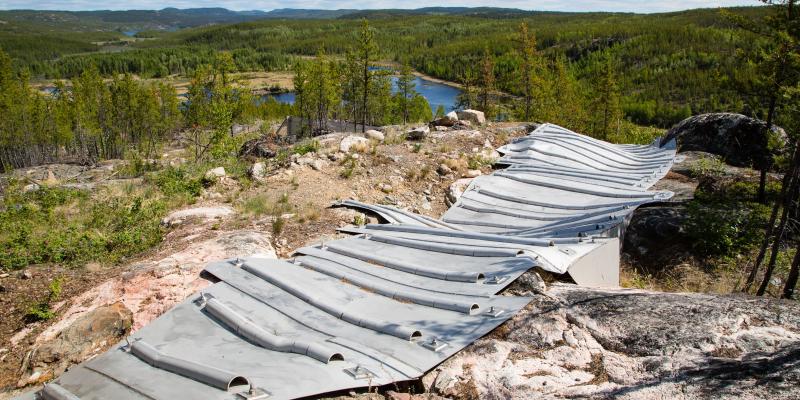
(42, 310)
(69, 227)
(310, 146)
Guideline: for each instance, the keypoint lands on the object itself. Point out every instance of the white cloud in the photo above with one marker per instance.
(545, 5)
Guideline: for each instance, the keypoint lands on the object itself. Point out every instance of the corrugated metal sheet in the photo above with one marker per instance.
(562, 184)
(392, 301)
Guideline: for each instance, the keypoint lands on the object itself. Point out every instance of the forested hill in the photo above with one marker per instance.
(146, 19)
(670, 65)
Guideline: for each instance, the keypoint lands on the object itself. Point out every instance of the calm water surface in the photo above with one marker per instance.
(436, 93)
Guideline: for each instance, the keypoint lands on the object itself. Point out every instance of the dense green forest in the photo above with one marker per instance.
(670, 65)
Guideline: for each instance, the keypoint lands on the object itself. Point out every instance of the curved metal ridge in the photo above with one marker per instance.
(639, 150)
(596, 156)
(387, 212)
(473, 251)
(389, 290)
(533, 170)
(430, 272)
(563, 132)
(606, 166)
(259, 336)
(579, 220)
(654, 157)
(521, 200)
(473, 235)
(336, 310)
(630, 195)
(207, 374)
(586, 173)
(562, 162)
(487, 209)
(52, 391)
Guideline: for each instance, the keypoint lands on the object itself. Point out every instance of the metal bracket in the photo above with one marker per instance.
(434, 344)
(128, 343)
(359, 372)
(254, 394)
(494, 312)
(238, 262)
(201, 301)
(495, 279)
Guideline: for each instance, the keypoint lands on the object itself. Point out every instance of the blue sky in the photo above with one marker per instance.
(642, 6)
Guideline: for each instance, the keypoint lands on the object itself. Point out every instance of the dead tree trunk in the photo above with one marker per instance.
(787, 179)
(776, 243)
(791, 280)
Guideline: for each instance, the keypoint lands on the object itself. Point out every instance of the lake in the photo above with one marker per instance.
(436, 93)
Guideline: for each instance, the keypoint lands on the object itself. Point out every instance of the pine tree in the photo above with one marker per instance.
(486, 89)
(605, 108)
(777, 69)
(778, 73)
(467, 98)
(318, 92)
(529, 74)
(566, 106)
(405, 91)
(366, 53)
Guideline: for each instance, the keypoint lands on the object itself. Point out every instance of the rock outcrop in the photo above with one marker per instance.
(578, 342)
(473, 116)
(657, 229)
(418, 133)
(85, 337)
(215, 174)
(259, 148)
(456, 189)
(375, 135)
(257, 171)
(738, 139)
(448, 120)
(349, 142)
(196, 214)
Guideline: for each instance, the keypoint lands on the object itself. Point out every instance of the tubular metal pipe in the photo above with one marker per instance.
(629, 195)
(559, 206)
(471, 235)
(54, 391)
(456, 276)
(473, 251)
(261, 337)
(209, 375)
(389, 290)
(336, 310)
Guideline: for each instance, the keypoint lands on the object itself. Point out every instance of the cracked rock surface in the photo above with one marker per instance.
(632, 344)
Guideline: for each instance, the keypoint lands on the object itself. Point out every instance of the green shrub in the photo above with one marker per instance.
(310, 146)
(177, 181)
(477, 161)
(65, 226)
(41, 311)
(350, 165)
(727, 222)
(277, 225)
(708, 166)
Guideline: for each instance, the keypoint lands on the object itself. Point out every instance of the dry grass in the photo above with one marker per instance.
(597, 369)
(360, 147)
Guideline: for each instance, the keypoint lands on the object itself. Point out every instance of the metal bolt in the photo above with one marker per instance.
(491, 309)
(433, 341)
